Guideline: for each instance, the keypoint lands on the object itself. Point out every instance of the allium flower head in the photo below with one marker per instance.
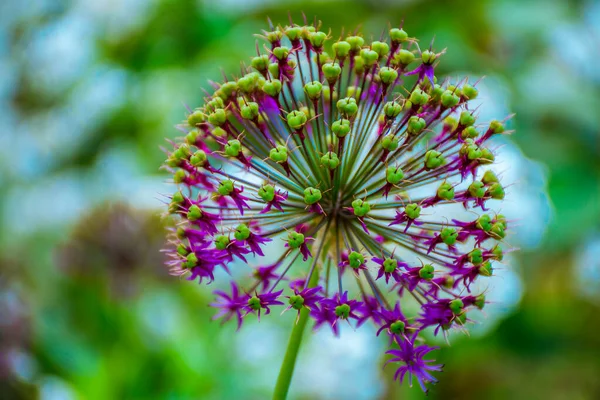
(354, 156)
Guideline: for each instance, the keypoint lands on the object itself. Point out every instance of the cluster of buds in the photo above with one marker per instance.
(355, 159)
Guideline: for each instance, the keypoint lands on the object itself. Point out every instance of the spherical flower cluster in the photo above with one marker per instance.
(354, 157)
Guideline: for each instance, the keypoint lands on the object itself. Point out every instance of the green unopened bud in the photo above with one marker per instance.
(403, 58)
(191, 260)
(274, 70)
(498, 230)
(470, 150)
(249, 110)
(360, 207)
(192, 137)
(390, 142)
(469, 92)
(449, 99)
(387, 75)
(434, 159)
(498, 253)
(450, 124)
(369, 57)
(359, 65)
(356, 42)
(296, 120)
(412, 210)
(182, 250)
(341, 127)
(296, 301)
(486, 269)
(390, 265)
(496, 191)
(347, 106)
(341, 49)
(391, 109)
(260, 63)
(355, 259)
(195, 118)
(225, 187)
(428, 57)
(381, 48)
(415, 125)
(353, 91)
(477, 189)
(313, 90)
(279, 154)
(476, 256)
(312, 195)
(248, 83)
(418, 97)
(484, 222)
(480, 301)
(178, 197)
(233, 148)
(272, 87)
(281, 53)
(295, 240)
(342, 311)
(436, 93)
(179, 176)
(456, 306)
(397, 328)
(489, 177)
(449, 236)
(461, 319)
(448, 282)
(267, 193)
(398, 35)
(467, 118)
(218, 117)
(194, 213)
(330, 160)
(470, 132)
(242, 232)
(496, 127)
(254, 303)
(427, 272)
(394, 175)
(222, 241)
(198, 159)
(332, 72)
(293, 32)
(487, 157)
(445, 191)
(317, 39)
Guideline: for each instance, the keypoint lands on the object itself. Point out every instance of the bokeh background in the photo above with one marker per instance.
(90, 89)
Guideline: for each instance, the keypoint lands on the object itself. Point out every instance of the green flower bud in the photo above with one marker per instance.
(272, 87)
(403, 58)
(360, 207)
(434, 159)
(260, 63)
(233, 148)
(214, 104)
(449, 99)
(267, 193)
(387, 75)
(466, 118)
(356, 42)
(476, 256)
(489, 177)
(477, 189)
(355, 259)
(450, 123)
(436, 93)
(461, 319)
(390, 142)
(182, 152)
(392, 109)
(428, 57)
(341, 127)
(390, 265)
(359, 65)
(484, 223)
(398, 35)
(219, 132)
(248, 82)
(486, 269)
(369, 57)
(254, 303)
(178, 197)
(397, 328)
(470, 150)
(194, 213)
(498, 230)
(498, 253)
(182, 250)
(313, 90)
(480, 301)
(381, 48)
(317, 39)
(195, 118)
(297, 302)
(312, 195)
(295, 240)
(496, 191)
(445, 191)
(332, 72)
(321, 58)
(274, 70)
(456, 306)
(191, 260)
(487, 157)
(225, 187)
(179, 176)
(347, 106)
(242, 232)
(293, 32)
(227, 89)
(496, 127)
(415, 125)
(449, 236)
(419, 97)
(448, 282)
(412, 210)
(222, 241)
(217, 118)
(249, 111)
(192, 137)
(394, 175)
(353, 91)
(296, 120)
(341, 49)
(469, 133)
(342, 311)
(279, 154)
(469, 92)
(426, 272)
(330, 160)
(281, 53)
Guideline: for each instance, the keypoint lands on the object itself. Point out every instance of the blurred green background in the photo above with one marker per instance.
(90, 89)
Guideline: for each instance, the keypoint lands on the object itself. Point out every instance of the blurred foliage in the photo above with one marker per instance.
(90, 88)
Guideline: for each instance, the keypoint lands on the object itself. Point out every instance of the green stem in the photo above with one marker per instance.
(291, 353)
